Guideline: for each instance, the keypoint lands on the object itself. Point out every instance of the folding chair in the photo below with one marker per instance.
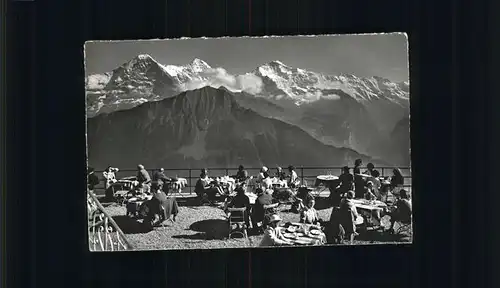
(404, 227)
(268, 211)
(237, 223)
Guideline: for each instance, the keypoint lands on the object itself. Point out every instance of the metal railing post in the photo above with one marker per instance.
(302, 174)
(190, 184)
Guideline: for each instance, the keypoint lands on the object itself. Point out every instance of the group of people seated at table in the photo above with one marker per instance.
(368, 185)
(207, 189)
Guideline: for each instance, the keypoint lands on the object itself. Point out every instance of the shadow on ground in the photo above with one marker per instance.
(212, 229)
(130, 226)
(374, 236)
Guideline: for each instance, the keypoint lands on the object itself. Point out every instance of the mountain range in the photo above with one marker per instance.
(365, 116)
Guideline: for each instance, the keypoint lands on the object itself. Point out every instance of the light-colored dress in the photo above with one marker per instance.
(272, 237)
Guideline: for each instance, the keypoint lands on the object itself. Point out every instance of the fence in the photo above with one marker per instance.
(104, 233)
(307, 174)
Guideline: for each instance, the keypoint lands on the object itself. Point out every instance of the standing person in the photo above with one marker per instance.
(349, 215)
(357, 166)
(110, 179)
(293, 179)
(109, 176)
(397, 179)
(346, 180)
(143, 178)
(161, 179)
(272, 235)
(359, 182)
(92, 179)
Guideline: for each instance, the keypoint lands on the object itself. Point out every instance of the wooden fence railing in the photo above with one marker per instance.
(307, 174)
(104, 233)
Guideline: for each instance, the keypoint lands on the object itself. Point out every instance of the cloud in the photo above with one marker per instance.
(220, 77)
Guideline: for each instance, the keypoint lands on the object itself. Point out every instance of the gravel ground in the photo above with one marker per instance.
(205, 227)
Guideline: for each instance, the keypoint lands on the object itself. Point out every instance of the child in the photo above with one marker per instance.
(309, 215)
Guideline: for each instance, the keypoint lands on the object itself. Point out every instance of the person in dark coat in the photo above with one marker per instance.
(241, 201)
(92, 179)
(403, 211)
(346, 180)
(371, 170)
(242, 175)
(161, 208)
(161, 179)
(397, 179)
(258, 212)
(334, 230)
(204, 188)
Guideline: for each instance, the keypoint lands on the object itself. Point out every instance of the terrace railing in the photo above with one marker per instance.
(306, 175)
(104, 233)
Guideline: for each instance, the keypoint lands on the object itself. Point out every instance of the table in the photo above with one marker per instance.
(372, 211)
(134, 203)
(299, 238)
(177, 186)
(227, 182)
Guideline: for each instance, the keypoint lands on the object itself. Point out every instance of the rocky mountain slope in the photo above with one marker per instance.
(203, 127)
(342, 111)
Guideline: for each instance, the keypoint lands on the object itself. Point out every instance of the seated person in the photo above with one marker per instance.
(241, 201)
(161, 179)
(402, 211)
(204, 187)
(261, 177)
(143, 179)
(309, 215)
(92, 179)
(303, 197)
(258, 211)
(293, 179)
(241, 175)
(369, 191)
(349, 214)
(266, 182)
(371, 170)
(161, 207)
(280, 174)
(272, 234)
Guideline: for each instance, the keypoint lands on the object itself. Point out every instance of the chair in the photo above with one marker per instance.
(404, 227)
(237, 223)
(271, 208)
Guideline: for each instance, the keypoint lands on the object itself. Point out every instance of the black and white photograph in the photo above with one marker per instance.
(248, 142)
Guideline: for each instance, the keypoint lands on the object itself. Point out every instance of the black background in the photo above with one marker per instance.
(454, 126)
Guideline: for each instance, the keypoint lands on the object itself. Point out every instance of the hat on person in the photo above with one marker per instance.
(274, 218)
(369, 183)
(264, 169)
(140, 166)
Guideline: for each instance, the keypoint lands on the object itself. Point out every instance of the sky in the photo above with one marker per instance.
(383, 55)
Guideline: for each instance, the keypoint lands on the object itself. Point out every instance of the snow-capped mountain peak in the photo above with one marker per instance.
(199, 65)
